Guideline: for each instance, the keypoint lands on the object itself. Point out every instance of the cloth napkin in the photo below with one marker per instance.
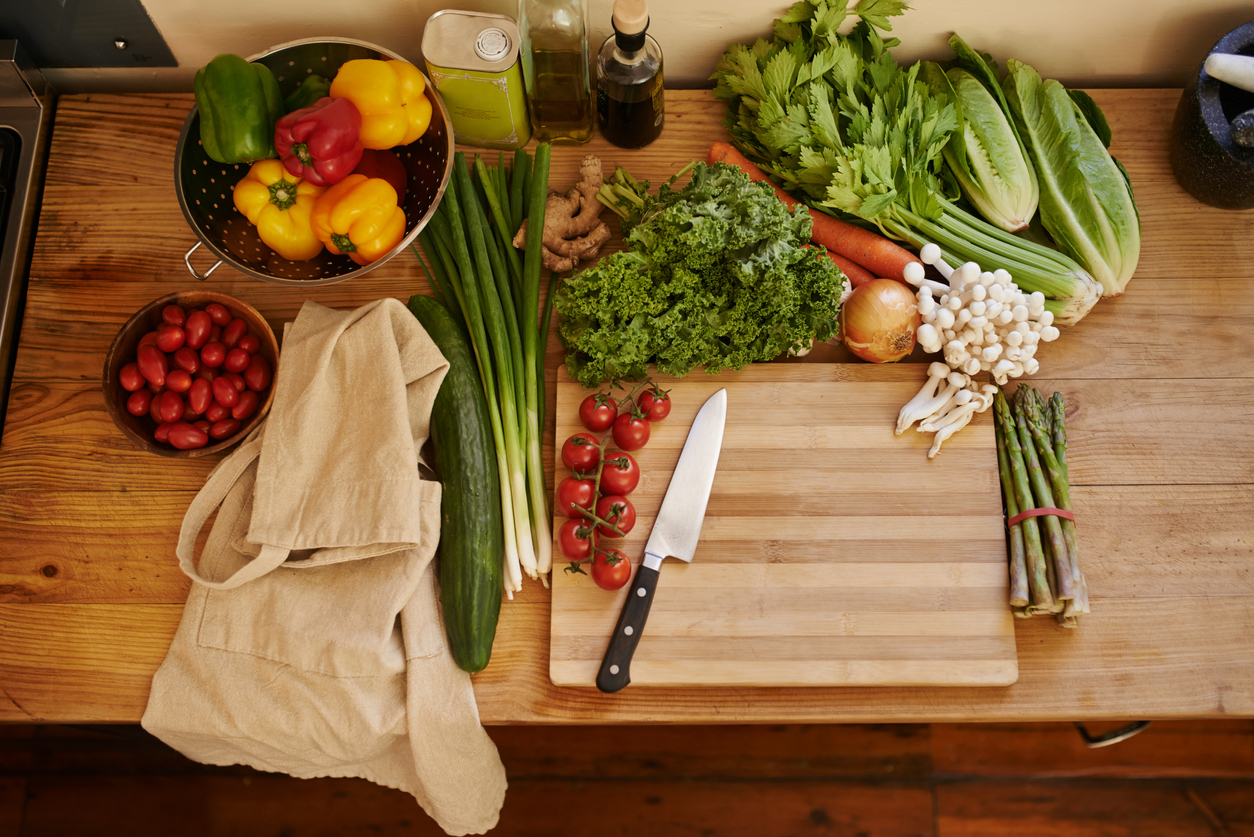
(312, 642)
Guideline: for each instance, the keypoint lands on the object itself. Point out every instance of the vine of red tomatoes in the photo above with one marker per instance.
(595, 495)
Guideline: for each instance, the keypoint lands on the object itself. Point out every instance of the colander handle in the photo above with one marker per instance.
(187, 260)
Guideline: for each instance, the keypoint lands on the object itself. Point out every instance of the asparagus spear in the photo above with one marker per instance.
(1038, 582)
(1044, 498)
(1018, 557)
(1057, 480)
(1058, 423)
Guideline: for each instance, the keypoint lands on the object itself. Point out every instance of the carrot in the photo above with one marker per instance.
(722, 152)
(874, 252)
(858, 275)
(870, 250)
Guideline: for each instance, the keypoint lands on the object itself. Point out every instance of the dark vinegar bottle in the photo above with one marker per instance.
(630, 104)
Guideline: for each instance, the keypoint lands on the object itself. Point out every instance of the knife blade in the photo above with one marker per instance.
(674, 535)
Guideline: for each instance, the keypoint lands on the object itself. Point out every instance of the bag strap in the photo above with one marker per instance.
(209, 498)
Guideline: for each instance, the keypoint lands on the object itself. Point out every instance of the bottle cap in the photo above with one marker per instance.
(492, 44)
(631, 17)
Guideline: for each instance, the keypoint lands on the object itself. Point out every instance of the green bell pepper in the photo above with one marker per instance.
(313, 88)
(238, 103)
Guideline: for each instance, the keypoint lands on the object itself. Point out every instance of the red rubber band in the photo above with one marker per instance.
(1021, 516)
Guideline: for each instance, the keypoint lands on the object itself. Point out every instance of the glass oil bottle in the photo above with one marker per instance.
(555, 69)
(630, 106)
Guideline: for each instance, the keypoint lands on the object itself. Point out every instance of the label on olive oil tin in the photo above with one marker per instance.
(472, 60)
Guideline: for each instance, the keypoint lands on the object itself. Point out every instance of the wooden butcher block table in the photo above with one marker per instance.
(1160, 417)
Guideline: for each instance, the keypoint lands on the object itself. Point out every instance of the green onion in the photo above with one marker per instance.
(536, 199)
(480, 275)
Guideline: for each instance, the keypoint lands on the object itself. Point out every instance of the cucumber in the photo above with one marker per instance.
(471, 530)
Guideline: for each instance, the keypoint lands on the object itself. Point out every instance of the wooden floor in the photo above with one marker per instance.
(1175, 779)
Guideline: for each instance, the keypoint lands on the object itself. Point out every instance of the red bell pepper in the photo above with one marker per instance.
(320, 144)
(385, 165)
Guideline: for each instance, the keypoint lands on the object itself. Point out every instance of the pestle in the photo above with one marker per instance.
(1237, 70)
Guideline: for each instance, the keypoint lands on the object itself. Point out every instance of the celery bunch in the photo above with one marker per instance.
(850, 132)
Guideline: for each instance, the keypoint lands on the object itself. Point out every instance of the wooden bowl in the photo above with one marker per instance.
(139, 429)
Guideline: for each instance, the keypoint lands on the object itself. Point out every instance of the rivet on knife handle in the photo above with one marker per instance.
(615, 670)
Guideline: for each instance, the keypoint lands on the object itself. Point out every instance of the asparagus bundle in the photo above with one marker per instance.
(476, 272)
(1045, 574)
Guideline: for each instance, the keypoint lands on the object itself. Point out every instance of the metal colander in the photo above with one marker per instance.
(205, 186)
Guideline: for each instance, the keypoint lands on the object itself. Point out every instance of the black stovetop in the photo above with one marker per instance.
(26, 104)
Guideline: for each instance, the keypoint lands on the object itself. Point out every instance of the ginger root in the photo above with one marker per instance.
(573, 230)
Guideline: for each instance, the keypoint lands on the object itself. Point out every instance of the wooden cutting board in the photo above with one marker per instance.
(833, 552)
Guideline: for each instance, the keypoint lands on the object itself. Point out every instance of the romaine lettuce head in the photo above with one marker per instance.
(1086, 199)
(985, 155)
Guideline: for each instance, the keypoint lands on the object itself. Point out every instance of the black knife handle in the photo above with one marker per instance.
(615, 670)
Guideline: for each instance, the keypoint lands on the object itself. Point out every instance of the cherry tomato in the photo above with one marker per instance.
(216, 412)
(149, 339)
(187, 360)
(200, 396)
(236, 379)
(190, 415)
(130, 379)
(171, 406)
(573, 546)
(152, 365)
(197, 329)
(224, 429)
(213, 354)
(233, 331)
(218, 313)
(620, 474)
(173, 315)
(187, 437)
(631, 433)
(580, 452)
(597, 412)
(203, 424)
(257, 375)
(156, 390)
(162, 433)
(170, 338)
(236, 360)
(250, 343)
(154, 409)
(655, 404)
(572, 492)
(246, 406)
(225, 393)
(208, 373)
(178, 380)
(215, 333)
(619, 513)
(139, 403)
(611, 569)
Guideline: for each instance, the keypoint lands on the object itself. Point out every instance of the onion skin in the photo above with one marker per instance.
(879, 320)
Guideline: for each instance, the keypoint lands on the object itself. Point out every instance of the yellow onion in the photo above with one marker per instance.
(879, 319)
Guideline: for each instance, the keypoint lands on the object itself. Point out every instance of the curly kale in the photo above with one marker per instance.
(717, 275)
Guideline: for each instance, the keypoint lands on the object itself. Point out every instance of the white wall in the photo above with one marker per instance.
(1096, 43)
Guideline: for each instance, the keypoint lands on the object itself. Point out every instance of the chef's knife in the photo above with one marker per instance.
(675, 534)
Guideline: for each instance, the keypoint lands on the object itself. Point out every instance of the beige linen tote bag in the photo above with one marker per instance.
(312, 641)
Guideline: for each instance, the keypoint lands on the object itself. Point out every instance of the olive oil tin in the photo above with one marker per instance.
(472, 60)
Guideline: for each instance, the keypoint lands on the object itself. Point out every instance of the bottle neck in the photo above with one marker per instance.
(629, 47)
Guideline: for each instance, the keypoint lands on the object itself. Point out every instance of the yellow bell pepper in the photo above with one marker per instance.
(389, 95)
(280, 205)
(359, 216)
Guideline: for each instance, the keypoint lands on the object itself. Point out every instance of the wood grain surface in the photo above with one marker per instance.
(899, 581)
(1157, 382)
